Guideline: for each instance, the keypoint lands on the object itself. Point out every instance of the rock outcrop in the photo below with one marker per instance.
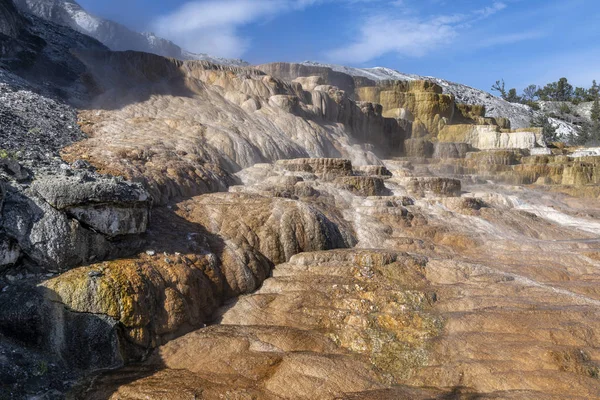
(486, 137)
(253, 235)
(421, 107)
(505, 114)
(421, 102)
(53, 214)
(10, 19)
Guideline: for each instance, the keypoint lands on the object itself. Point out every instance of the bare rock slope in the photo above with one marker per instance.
(205, 231)
(520, 115)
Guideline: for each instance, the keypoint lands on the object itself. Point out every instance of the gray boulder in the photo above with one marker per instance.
(110, 206)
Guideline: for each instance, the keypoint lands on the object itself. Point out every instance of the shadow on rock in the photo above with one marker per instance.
(45, 346)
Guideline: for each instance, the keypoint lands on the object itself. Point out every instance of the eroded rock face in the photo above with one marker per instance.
(450, 150)
(418, 148)
(371, 170)
(518, 167)
(10, 19)
(73, 231)
(293, 346)
(290, 71)
(52, 345)
(200, 151)
(63, 192)
(9, 252)
(230, 243)
(481, 290)
(325, 168)
(484, 137)
(433, 185)
(419, 106)
(429, 108)
(362, 185)
(365, 319)
(108, 206)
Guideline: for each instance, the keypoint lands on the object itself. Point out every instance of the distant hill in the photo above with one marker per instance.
(114, 35)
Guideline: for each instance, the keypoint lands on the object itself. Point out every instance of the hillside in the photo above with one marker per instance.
(520, 115)
(118, 37)
(180, 229)
(115, 36)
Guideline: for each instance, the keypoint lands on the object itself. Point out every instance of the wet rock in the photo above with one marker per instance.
(362, 185)
(158, 296)
(487, 137)
(371, 170)
(540, 151)
(325, 168)
(424, 100)
(329, 315)
(250, 219)
(495, 157)
(434, 186)
(418, 148)
(450, 150)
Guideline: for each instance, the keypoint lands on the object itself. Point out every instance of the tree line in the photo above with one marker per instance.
(560, 91)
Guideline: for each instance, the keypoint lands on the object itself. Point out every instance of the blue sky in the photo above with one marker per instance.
(473, 42)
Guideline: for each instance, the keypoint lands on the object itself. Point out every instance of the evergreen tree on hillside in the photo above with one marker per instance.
(595, 114)
(582, 137)
(564, 90)
(594, 92)
(580, 95)
(530, 93)
(548, 131)
(547, 92)
(589, 134)
(500, 87)
(512, 96)
(595, 123)
(556, 91)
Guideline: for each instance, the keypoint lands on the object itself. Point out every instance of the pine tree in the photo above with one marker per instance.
(581, 94)
(500, 87)
(595, 122)
(512, 96)
(530, 93)
(564, 90)
(582, 137)
(593, 92)
(548, 130)
(595, 114)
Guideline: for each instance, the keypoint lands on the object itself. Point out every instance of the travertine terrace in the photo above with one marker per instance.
(286, 231)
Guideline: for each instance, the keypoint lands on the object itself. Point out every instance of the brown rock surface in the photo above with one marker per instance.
(481, 291)
(448, 286)
(497, 299)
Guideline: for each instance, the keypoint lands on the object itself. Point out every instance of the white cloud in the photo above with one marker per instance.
(212, 26)
(493, 9)
(380, 35)
(413, 37)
